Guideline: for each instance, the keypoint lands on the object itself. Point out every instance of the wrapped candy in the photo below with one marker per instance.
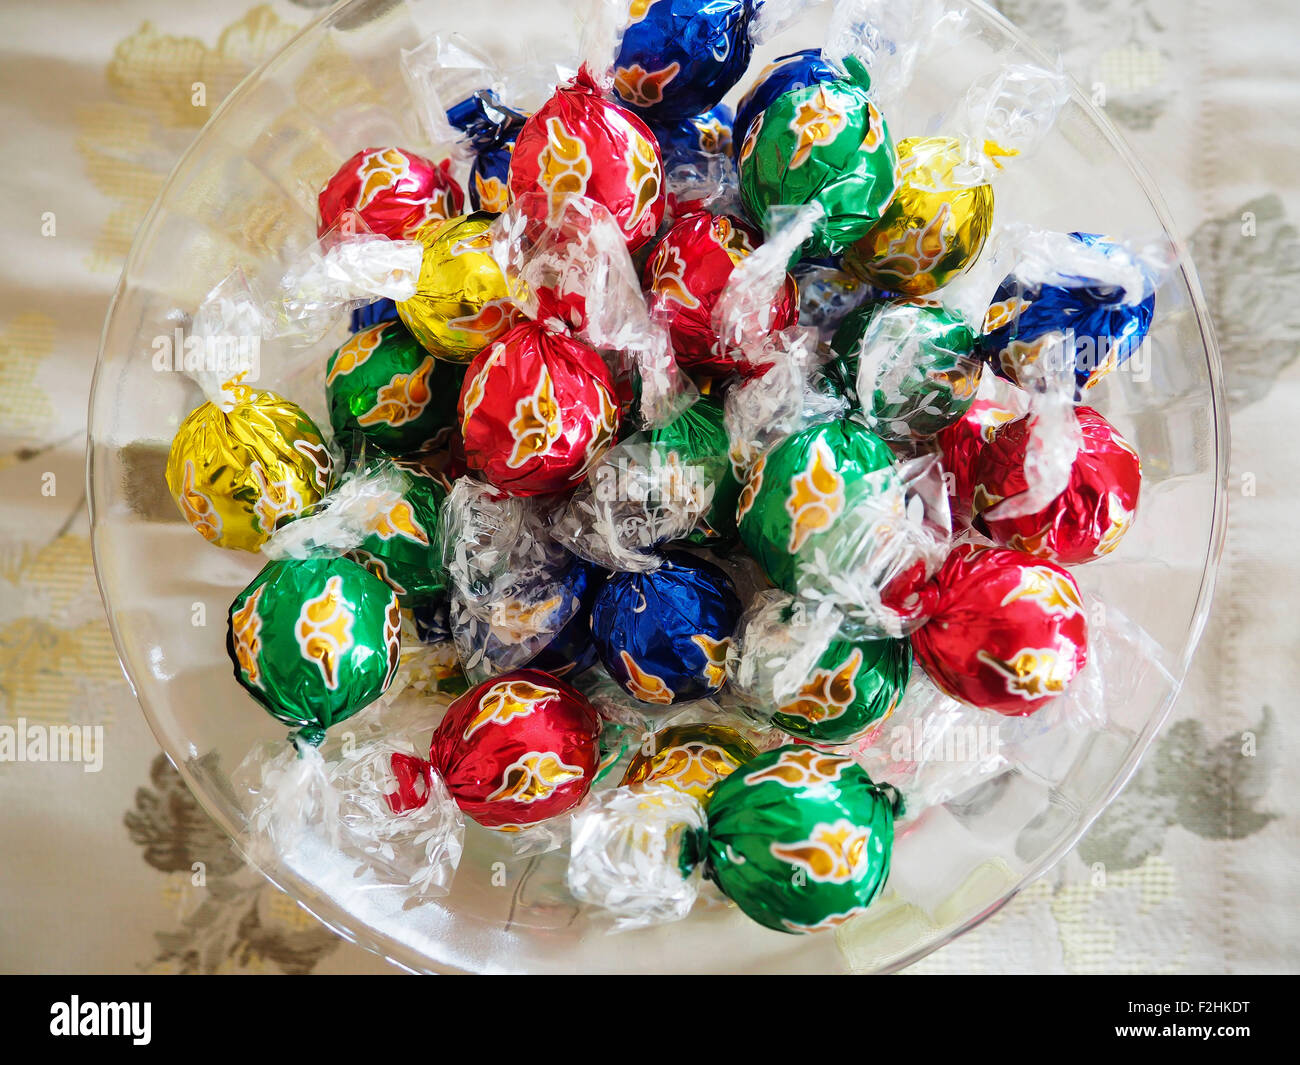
(432, 621)
(384, 385)
(933, 229)
(684, 142)
(689, 758)
(827, 145)
(403, 545)
(664, 635)
(394, 191)
(687, 273)
(941, 215)
(518, 597)
(828, 294)
(788, 73)
(795, 668)
(385, 515)
(799, 839)
(572, 650)
(580, 144)
(961, 443)
(831, 518)
(537, 411)
(513, 751)
(681, 57)
(573, 273)
(672, 483)
(909, 366)
(314, 640)
(242, 465)
(1007, 631)
(491, 128)
(798, 490)
(697, 439)
(1085, 521)
(461, 302)
(382, 310)
(1078, 296)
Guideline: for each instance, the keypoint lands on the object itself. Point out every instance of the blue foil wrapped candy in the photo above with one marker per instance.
(704, 134)
(797, 70)
(432, 624)
(382, 310)
(491, 128)
(572, 650)
(681, 57)
(1107, 323)
(664, 635)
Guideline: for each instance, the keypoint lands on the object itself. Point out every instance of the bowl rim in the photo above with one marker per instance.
(378, 943)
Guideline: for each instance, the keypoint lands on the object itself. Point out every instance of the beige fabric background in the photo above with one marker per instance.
(96, 870)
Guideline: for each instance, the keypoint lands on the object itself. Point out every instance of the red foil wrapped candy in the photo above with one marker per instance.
(1085, 521)
(537, 410)
(1007, 631)
(580, 144)
(517, 749)
(960, 446)
(394, 191)
(687, 273)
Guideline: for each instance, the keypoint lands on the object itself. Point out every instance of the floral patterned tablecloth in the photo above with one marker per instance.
(120, 870)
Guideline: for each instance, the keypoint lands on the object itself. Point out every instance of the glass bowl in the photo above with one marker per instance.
(244, 195)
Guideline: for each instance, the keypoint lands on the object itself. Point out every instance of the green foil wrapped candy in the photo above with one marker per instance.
(404, 545)
(928, 372)
(383, 384)
(854, 686)
(697, 438)
(803, 497)
(314, 641)
(799, 839)
(825, 144)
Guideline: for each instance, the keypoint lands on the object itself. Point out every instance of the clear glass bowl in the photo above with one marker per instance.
(244, 194)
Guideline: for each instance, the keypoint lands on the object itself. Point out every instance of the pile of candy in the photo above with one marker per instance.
(676, 456)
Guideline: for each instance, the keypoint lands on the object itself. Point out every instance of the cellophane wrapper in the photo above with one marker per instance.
(894, 351)
(1006, 115)
(764, 410)
(776, 647)
(887, 36)
(230, 321)
(894, 534)
(575, 274)
(743, 314)
(632, 501)
(440, 71)
(626, 854)
(344, 518)
(508, 597)
(299, 799)
(347, 268)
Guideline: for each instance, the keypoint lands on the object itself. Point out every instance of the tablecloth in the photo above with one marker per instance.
(119, 870)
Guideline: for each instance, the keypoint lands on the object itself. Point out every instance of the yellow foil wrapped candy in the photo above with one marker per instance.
(238, 470)
(461, 303)
(933, 230)
(690, 758)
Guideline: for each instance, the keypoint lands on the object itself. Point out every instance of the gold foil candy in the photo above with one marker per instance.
(935, 227)
(237, 473)
(461, 303)
(690, 758)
